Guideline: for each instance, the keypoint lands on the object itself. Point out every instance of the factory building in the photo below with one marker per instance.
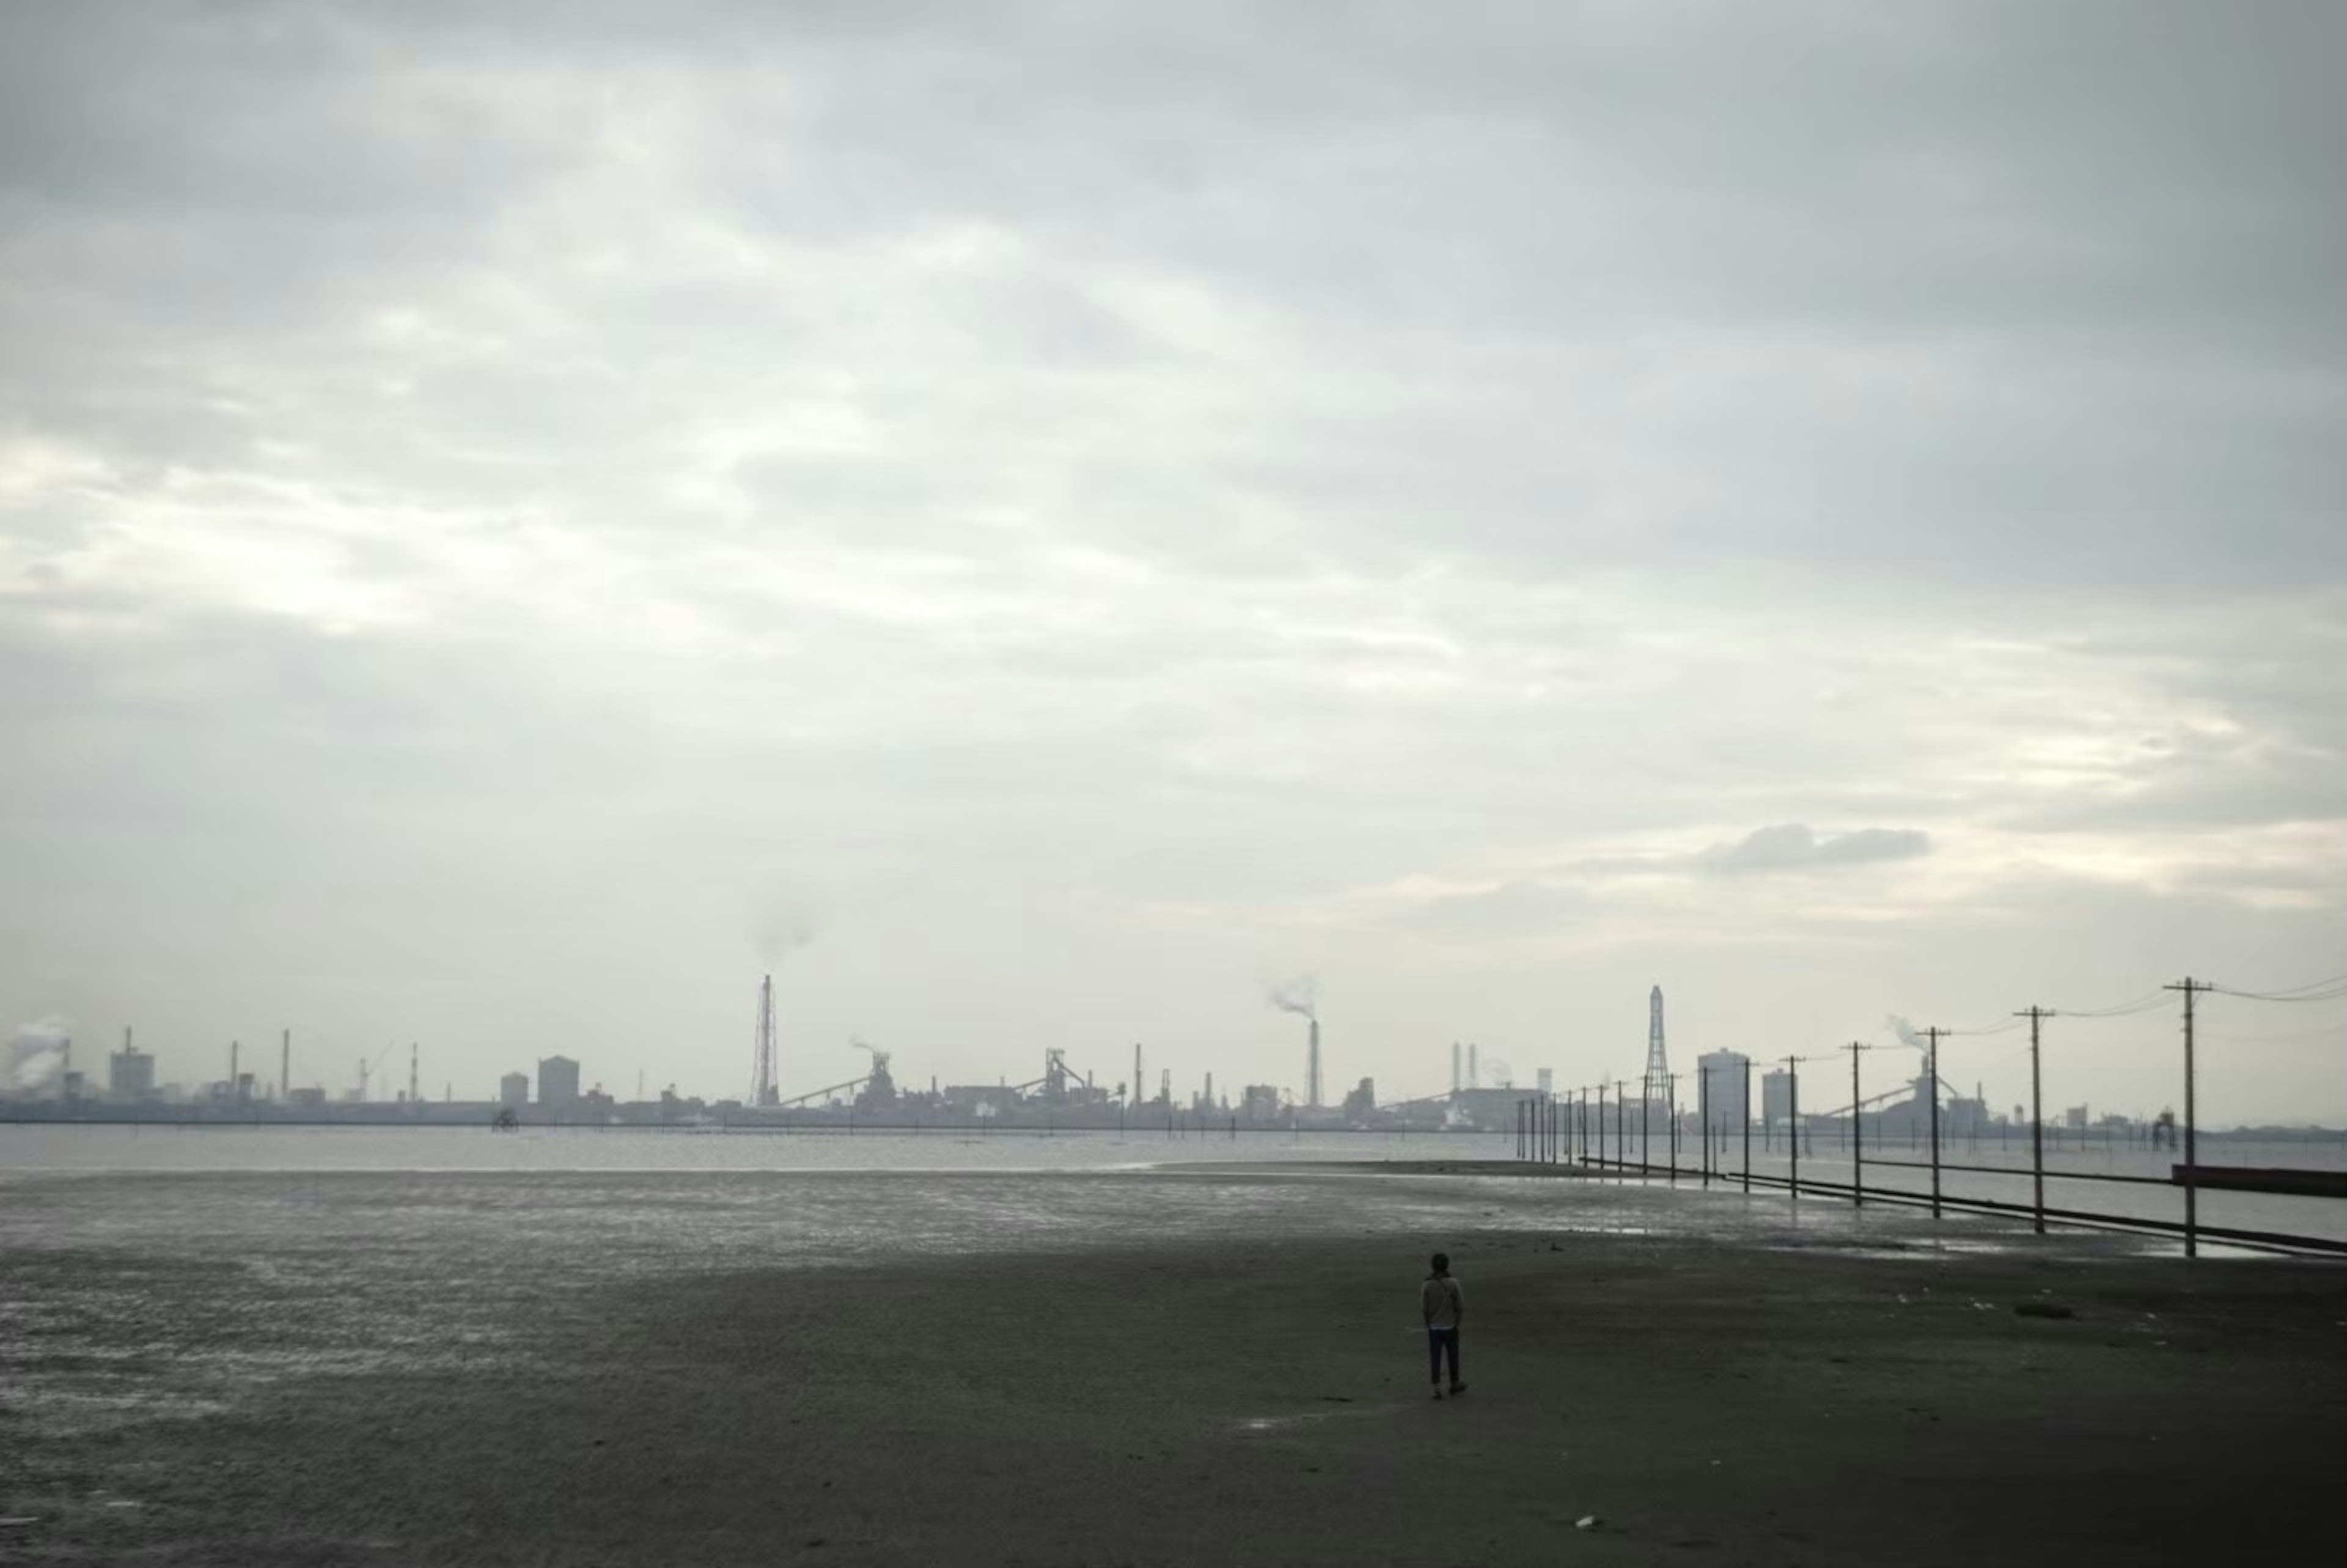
(1776, 1097)
(998, 1099)
(513, 1089)
(1488, 1108)
(130, 1075)
(1911, 1118)
(557, 1084)
(1725, 1073)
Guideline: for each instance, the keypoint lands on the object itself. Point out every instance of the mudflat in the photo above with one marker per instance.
(1264, 1402)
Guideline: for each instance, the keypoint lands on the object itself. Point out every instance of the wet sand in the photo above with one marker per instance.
(1711, 1402)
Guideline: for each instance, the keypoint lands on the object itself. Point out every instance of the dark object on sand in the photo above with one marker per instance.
(2043, 1309)
(2265, 1179)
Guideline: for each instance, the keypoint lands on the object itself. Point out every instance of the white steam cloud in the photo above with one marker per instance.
(37, 1050)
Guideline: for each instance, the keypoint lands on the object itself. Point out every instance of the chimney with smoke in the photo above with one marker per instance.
(1299, 997)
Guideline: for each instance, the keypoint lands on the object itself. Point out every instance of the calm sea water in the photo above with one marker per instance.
(29, 1152)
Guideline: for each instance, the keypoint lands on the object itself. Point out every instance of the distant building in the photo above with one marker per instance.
(130, 1075)
(1776, 1097)
(1720, 1084)
(1260, 1103)
(557, 1084)
(1491, 1108)
(513, 1089)
(1362, 1103)
(1547, 1081)
(306, 1099)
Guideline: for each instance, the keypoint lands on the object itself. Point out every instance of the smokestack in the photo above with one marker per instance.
(1210, 1091)
(234, 1046)
(413, 1098)
(1455, 1079)
(1473, 1080)
(1136, 1072)
(1312, 1068)
(285, 1065)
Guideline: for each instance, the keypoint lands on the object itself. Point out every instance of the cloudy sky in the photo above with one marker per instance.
(1036, 522)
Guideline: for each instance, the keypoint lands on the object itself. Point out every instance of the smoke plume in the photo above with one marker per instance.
(37, 1050)
(1299, 995)
(781, 922)
(1904, 1031)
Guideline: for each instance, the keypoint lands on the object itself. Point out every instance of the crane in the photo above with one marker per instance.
(367, 1069)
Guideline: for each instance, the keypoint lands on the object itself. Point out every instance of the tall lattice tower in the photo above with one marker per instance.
(1312, 1067)
(762, 1073)
(1658, 1061)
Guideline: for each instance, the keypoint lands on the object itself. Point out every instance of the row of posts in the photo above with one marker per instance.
(1561, 1129)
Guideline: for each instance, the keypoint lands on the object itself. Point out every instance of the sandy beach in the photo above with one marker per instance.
(1245, 1400)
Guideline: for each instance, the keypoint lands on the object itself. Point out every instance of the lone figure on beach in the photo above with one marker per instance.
(1445, 1308)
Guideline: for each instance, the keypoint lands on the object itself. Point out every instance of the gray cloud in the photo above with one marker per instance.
(1792, 847)
(1121, 499)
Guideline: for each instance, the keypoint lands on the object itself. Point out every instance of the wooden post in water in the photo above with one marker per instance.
(1671, 1111)
(1793, 1066)
(1748, 1123)
(1703, 1116)
(1857, 1135)
(1932, 1086)
(2037, 1122)
(2190, 988)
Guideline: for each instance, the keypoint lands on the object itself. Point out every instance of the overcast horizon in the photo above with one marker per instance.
(1040, 524)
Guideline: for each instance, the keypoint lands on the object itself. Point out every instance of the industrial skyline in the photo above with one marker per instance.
(40, 1066)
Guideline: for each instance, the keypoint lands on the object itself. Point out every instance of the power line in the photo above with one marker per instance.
(2338, 988)
(2280, 992)
(2147, 1002)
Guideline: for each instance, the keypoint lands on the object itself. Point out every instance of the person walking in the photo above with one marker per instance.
(1444, 1306)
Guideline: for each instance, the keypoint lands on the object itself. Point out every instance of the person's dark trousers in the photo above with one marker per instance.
(1440, 1343)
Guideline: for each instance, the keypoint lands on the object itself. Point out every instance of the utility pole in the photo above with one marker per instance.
(1703, 1114)
(1748, 1124)
(1621, 1133)
(1671, 1110)
(2037, 1015)
(1793, 1067)
(1857, 1170)
(286, 1068)
(1601, 1125)
(1932, 1086)
(2190, 988)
